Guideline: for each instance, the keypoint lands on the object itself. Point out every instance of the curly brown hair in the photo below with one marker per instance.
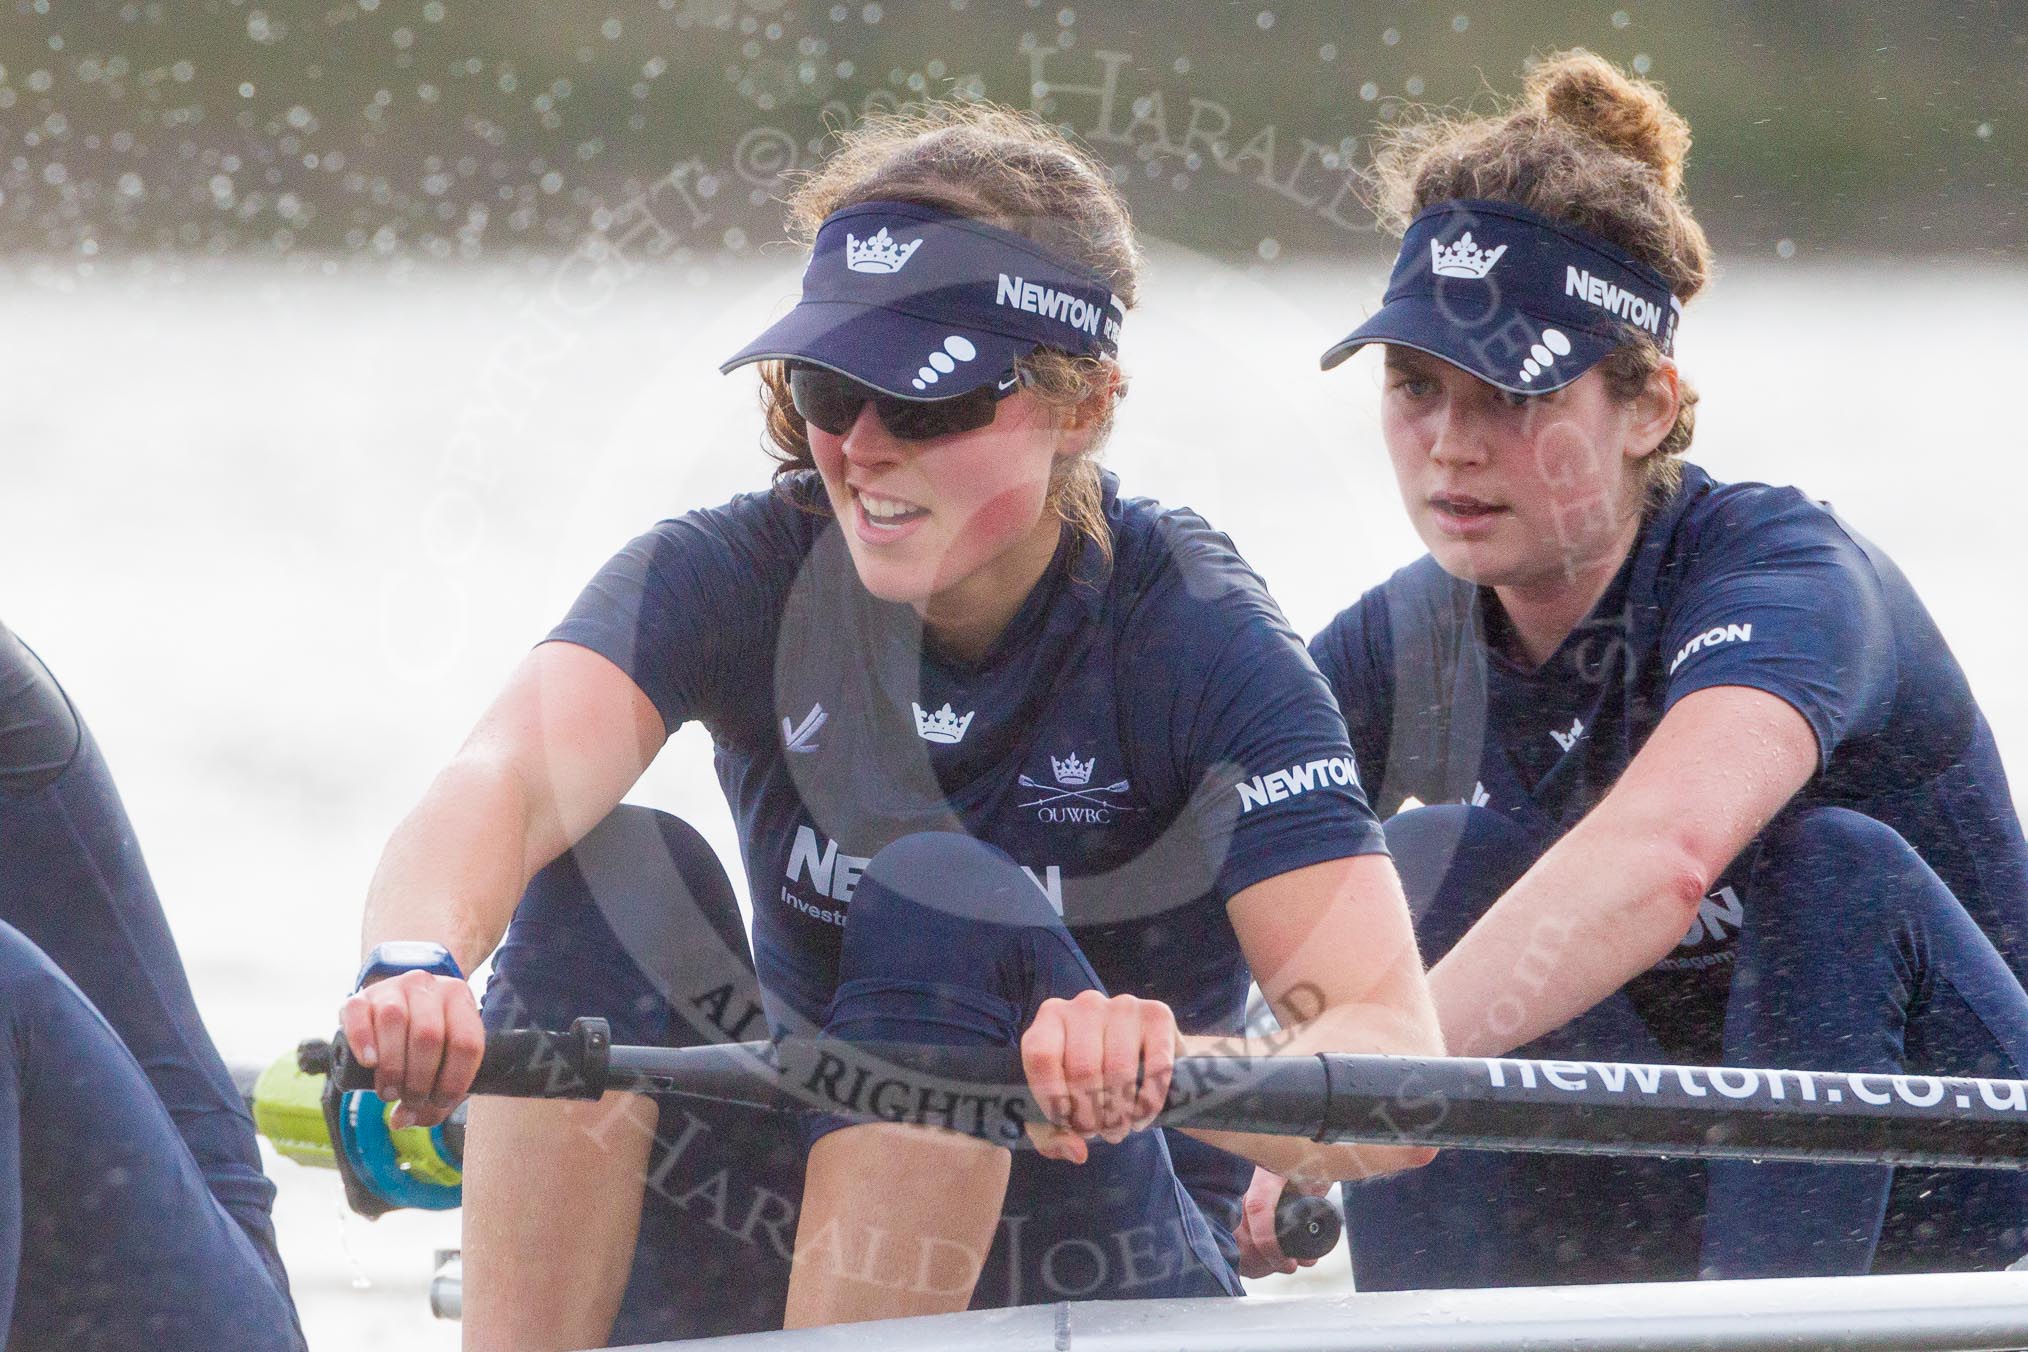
(1587, 144)
(1012, 170)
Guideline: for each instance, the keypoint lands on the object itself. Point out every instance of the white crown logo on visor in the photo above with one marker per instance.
(1463, 259)
(878, 254)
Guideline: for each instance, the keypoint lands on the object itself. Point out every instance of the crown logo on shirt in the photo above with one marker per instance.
(878, 254)
(1463, 259)
(942, 726)
(1072, 771)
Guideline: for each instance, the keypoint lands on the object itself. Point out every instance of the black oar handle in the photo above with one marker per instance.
(1306, 1227)
(520, 1063)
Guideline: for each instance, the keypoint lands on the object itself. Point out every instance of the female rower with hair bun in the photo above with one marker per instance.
(983, 722)
(1718, 791)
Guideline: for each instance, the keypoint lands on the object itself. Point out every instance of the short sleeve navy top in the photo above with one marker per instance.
(1146, 739)
(1727, 584)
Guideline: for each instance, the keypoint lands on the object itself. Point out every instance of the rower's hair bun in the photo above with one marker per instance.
(1628, 115)
(1587, 145)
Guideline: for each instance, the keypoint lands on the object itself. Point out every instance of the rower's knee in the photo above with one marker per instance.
(637, 924)
(1836, 871)
(943, 878)
(949, 941)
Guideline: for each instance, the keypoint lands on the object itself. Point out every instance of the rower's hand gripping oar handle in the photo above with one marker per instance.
(539, 1063)
(518, 1063)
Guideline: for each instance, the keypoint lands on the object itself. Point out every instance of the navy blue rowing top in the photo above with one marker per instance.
(1145, 740)
(1727, 584)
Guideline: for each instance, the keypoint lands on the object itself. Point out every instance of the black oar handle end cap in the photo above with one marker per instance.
(1306, 1227)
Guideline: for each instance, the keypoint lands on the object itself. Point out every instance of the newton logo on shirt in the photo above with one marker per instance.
(1283, 784)
(1712, 637)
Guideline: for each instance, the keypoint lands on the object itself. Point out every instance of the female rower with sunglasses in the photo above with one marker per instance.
(1718, 791)
(994, 735)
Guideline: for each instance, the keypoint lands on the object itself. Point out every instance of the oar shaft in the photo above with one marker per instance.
(1558, 1107)
(1706, 1111)
(1564, 1107)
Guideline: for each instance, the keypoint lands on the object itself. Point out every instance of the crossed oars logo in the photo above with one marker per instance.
(1057, 793)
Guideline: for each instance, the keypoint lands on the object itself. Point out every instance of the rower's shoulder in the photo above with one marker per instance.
(1703, 508)
(785, 516)
(1173, 568)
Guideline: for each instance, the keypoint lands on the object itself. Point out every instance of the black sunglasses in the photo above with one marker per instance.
(831, 402)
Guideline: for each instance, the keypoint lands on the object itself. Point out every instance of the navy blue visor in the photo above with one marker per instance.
(920, 304)
(1524, 302)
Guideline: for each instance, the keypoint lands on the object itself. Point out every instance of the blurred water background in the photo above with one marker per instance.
(344, 341)
(282, 537)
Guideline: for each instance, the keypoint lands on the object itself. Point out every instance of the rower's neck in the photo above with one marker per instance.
(1540, 614)
(964, 620)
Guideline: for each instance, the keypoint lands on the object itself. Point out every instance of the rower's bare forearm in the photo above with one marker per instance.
(456, 866)
(1599, 908)
(1614, 896)
(1366, 1029)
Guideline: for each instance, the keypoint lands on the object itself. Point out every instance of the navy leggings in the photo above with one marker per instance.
(133, 1210)
(1853, 956)
(949, 943)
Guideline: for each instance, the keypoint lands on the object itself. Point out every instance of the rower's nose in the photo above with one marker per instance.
(867, 443)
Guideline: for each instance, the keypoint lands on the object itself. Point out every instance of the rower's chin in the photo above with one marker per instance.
(1481, 560)
(904, 572)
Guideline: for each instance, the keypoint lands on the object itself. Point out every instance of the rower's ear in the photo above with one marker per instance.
(1087, 419)
(1653, 410)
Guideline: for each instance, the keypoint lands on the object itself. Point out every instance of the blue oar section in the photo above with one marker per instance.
(1470, 1103)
